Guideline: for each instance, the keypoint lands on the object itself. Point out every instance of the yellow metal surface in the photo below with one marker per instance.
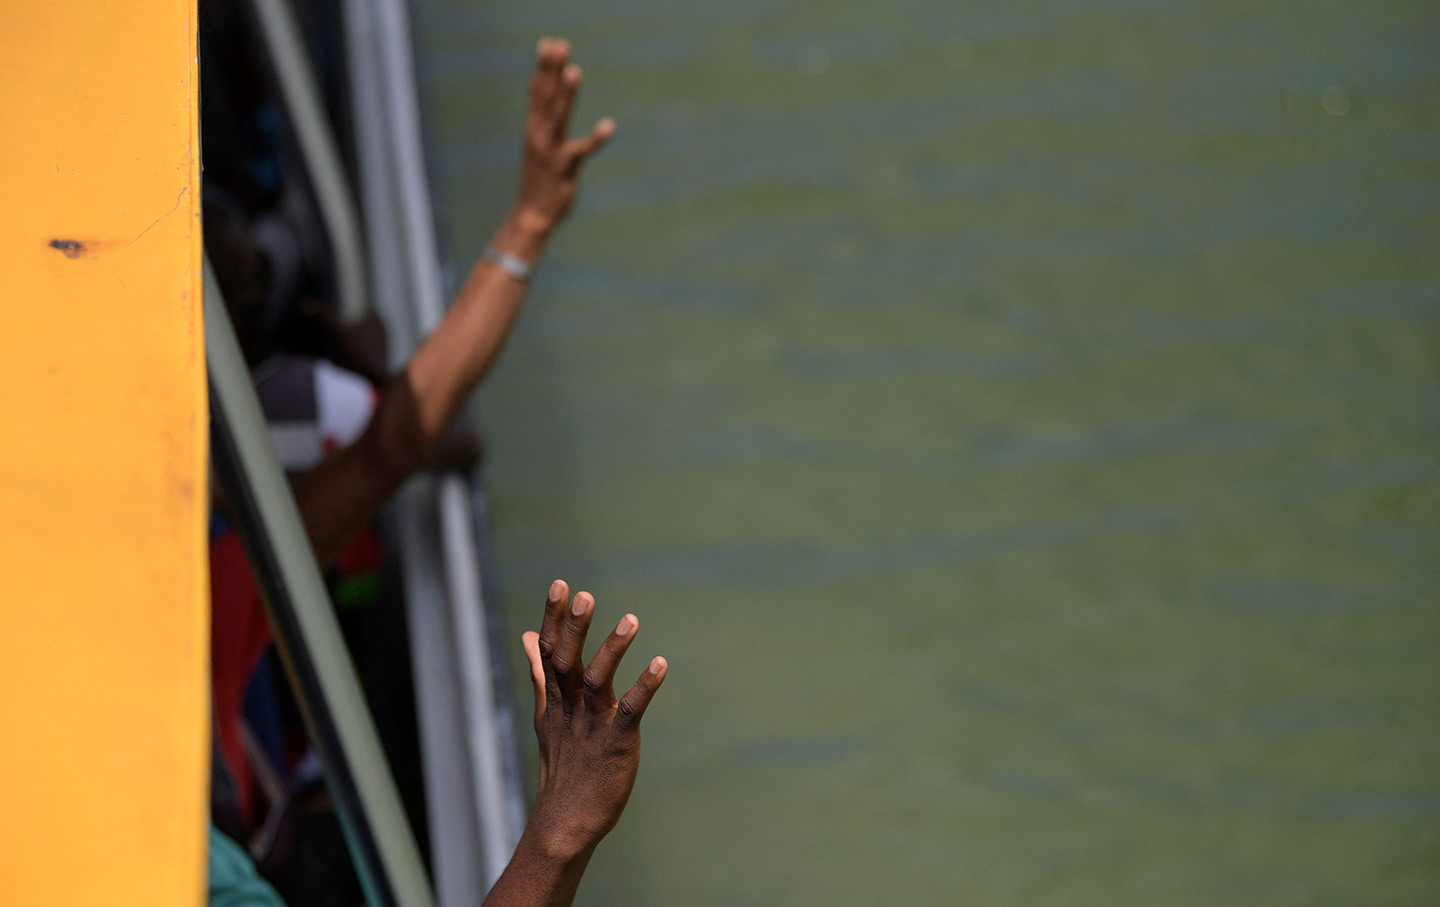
(103, 653)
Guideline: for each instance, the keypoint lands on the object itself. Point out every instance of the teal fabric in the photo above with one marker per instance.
(233, 879)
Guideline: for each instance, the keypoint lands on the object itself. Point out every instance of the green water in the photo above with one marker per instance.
(1019, 423)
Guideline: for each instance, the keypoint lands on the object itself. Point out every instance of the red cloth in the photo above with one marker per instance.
(239, 636)
(362, 554)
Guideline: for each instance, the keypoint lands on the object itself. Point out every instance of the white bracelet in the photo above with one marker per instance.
(513, 265)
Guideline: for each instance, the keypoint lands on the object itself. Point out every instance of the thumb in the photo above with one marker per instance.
(531, 641)
(587, 145)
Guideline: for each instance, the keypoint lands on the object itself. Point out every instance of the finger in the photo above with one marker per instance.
(530, 640)
(634, 703)
(540, 79)
(563, 100)
(600, 676)
(550, 57)
(556, 603)
(565, 660)
(586, 145)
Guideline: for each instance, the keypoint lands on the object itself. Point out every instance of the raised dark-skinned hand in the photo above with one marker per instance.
(589, 748)
(589, 739)
(550, 173)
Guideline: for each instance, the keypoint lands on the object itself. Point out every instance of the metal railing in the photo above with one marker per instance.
(305, 107)
(475, 805)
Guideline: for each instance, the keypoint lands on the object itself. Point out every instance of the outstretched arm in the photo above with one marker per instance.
(340, 494)
(589, 750)
(454, 358)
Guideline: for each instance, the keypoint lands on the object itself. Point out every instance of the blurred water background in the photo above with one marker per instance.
(1017, 422)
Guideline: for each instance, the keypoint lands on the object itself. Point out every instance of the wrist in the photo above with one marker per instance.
(524, 233)
(555, 846)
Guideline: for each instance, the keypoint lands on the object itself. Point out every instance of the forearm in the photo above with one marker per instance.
(451, 361)
(540, 874)
(343, 492)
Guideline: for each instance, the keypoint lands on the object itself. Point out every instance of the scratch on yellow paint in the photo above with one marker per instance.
(103, 656)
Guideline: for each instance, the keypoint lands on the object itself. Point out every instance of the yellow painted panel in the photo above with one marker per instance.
(104, 684)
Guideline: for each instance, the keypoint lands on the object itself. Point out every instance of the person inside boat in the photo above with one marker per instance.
(588, 767)
(339, 495)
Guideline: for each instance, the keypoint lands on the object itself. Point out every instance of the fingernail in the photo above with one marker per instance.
(627, 624)
(577, 607)
(557, 589)
(657, 664)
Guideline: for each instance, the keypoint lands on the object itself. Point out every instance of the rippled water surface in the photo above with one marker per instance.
(1019, 423)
